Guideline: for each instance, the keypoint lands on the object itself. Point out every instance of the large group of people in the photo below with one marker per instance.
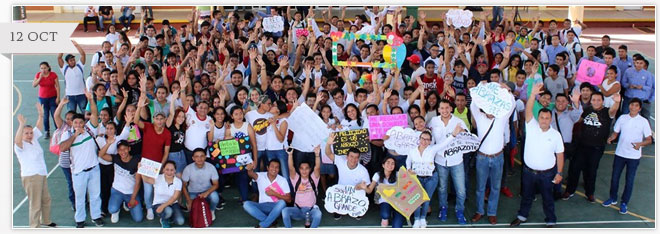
(225, 76)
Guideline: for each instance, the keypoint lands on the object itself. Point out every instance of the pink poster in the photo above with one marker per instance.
(276, 187)
(379, 124)
(591, 72)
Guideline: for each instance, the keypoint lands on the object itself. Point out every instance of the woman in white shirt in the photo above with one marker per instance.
(609, 86)
(238, 128)
(328, 169)
(420, 161)
(386, 175)
(167, 189)
(276, 137)
(111, 36)
(107, 169)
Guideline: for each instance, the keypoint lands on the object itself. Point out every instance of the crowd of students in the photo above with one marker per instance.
(223, 76)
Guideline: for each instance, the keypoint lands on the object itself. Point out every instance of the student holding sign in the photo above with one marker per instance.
(167, 190)
(238, 128)
(420, 161)
(273, 194)
(386, 175)
(126, 182)
(349, 170)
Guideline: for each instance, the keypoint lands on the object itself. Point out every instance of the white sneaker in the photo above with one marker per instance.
(150, 214)
(422, 223)
(417, 223)
(114, 217)
(126, 207)
(212, 216)
(384, 223)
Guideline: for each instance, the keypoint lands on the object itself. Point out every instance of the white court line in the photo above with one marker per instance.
(28, 81)
(25, 199)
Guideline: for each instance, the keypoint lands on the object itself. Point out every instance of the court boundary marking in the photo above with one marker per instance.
(25, 199)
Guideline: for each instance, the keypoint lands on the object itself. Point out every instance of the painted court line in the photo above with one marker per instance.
(25, 199)
(20, 99)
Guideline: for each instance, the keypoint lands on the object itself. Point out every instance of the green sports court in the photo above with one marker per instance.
(574, 213)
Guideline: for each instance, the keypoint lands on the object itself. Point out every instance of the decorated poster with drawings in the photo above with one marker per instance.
(406, 195)
(149, 168)
(464, 142)
(346, 140)
(592, 72)
(492, 99)
(423, 168)
(230, 155)
(460, 18)
(379, 124)
(308, 127)
(402, 140)
(273, 24)
(345, 199)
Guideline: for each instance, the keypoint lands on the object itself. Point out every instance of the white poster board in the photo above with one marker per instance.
(307, 127)
(492, 99)
(460, 18)
(344, 199)
(149, 168)
(273, 24)
(402, 140)
(464, 142)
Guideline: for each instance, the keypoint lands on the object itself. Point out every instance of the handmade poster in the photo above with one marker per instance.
(402, 140)
(230, 155)
(273, 24)
(149, 168)
(392, 59)
(379, 124)
(464, 142)
(260, 126)
(422, 168)
(406, 195)
(345, 199)
(345, 140)
(275, 187)
(592, 72)
(308, 127)
(492, 99)
(460, 18)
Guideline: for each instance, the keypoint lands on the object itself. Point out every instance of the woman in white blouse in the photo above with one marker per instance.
(167, 189)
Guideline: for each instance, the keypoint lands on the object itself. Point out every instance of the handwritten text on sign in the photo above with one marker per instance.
(592, 72)
(149, 168)
(308, 127)
(273, 24)
(402, 140)
(379, 124)
(345, 140)
(344, 199)
(406, 195)
(230, 156)
(492, 99)
(460, 18)
(464, 142)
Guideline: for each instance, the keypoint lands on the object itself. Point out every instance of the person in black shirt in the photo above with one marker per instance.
(106, 12)
(596, 121)
(176, 123)
(605, 45)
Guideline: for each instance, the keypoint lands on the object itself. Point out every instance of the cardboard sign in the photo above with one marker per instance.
(379, 124)
(591, 72)
(345, 140)
(402, 140)
(273, 24)
(149, 168)
(392, 58)
(231, 155)
(492, 99)
(460, 18)
(406, 195)
(344, 199)
(308, 127)
(275, 187)
(464, 142)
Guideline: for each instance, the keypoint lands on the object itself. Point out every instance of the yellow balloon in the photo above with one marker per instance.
(387, 53)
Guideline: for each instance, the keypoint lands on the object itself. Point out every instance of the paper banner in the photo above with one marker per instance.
(149, 168)
(464, 142)
(492, 99)
(231, 155)
(336, 36)
(406, 195)
(592, 72)
(275, 187)
(344, 199)
(379, 124)
(273, 24)
(402, 140)
(460, 18)
(345, 140)
(308, 127)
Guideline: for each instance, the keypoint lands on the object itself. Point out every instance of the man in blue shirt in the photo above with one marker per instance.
(608, 57)
(516, 47)
(639, 84)
(623, 61)
(591, 56)
(554, 49)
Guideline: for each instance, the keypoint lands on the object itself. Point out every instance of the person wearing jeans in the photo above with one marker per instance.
(49, 93)
(74, 78)
(299, 213)
(167, 190)
(201, 179)
(64, 158)
(458, 178)
(634, 132)
(306, 191)
(77, 101)
(271, 202)
(127, 16)
(106, 12)
(117, 198)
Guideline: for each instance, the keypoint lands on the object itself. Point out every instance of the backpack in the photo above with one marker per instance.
(55, 141)
(295, 188)
(200, 213)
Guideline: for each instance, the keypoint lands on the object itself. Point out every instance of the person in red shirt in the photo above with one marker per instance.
(156, 140)
(430, 79)
(49, 92)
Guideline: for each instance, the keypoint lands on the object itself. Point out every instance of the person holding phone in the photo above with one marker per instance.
(544, 162)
